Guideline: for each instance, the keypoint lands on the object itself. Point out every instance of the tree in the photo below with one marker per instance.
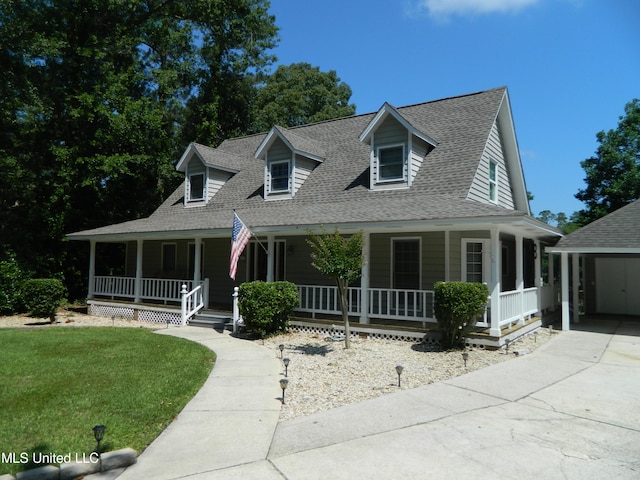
(613, 174)
(560, 220)
(341, 259)
(298, 94)
(93, 106)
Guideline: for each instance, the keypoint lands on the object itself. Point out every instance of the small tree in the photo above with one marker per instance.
(43, 296)
(341, 259)
(457, 306)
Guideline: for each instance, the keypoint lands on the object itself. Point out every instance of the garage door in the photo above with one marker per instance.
(618, 285)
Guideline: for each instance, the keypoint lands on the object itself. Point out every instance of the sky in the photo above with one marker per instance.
(570, 67)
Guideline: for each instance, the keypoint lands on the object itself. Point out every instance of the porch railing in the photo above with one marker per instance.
(517, 304)
(158, 289)
(192, 301)
(388, 303)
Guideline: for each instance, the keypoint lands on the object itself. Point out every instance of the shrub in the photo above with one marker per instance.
(457, 306)
(11, 279)
(43, 296)
(266, 306)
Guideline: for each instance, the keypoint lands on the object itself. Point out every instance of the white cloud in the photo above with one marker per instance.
(444, 8)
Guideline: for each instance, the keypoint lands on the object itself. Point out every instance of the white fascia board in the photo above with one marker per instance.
(378, 118)
(186, 156)
(585, 250)
(388, 109)
(266, 143)
(512, 153)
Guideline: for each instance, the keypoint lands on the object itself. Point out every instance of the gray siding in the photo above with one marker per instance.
(303, 167)
(479, 190)
(216, 180)
(432, 258)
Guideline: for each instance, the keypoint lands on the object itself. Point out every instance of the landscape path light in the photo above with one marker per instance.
(399, 369)
(284, 383)
(281, 347)
(98, 433)
(286, 366)
(465, 357)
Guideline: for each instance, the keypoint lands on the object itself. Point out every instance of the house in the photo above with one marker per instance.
(608, 250)
(437, 189)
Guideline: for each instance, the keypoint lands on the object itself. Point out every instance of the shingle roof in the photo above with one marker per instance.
(337, 191)
(619, 229)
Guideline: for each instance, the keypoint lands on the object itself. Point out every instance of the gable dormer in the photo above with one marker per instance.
(397, 149)
(288, 158)
(206, 171)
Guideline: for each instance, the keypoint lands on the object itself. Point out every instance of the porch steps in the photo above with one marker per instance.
(211, 319)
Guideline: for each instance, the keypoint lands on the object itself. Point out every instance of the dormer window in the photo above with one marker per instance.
(391, 162)
(196, 187)
(280, 177)
(397, 149)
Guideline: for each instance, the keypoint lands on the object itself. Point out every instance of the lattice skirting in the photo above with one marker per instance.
(130, 313)
(329, 332)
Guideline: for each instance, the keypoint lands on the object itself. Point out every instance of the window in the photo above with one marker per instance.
(493, 181)
(391, 163)
(169, 251)
(474, 260)
(196, 187)
(279, 176)
(406, 263)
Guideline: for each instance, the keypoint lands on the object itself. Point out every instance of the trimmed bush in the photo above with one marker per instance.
(43, 296)
(457, 306)
(266, 306)
(11, 279)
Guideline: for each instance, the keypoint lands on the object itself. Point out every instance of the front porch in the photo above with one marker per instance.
(399, 313)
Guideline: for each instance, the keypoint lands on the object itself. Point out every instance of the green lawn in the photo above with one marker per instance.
(56, 384)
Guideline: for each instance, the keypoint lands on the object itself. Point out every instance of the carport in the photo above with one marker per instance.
(604, 257)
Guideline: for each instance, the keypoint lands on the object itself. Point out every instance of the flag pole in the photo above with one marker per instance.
(253, 234)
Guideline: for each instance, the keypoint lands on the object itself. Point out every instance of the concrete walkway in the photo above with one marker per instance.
(569, 410)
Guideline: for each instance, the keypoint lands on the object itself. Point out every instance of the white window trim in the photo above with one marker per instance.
(380, 180)
(175, 257)
(190, 198)
(392, 259)
(495, 182)
(486, 258)
(283, 191)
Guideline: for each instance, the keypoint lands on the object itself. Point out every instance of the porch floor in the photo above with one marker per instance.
(379, 328)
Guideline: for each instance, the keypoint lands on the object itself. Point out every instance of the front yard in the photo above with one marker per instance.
(57, 383)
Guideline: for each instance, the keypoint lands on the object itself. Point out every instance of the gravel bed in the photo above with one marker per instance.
(323, 374)
(66, 318)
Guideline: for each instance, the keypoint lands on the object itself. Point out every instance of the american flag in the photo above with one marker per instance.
(240, 236)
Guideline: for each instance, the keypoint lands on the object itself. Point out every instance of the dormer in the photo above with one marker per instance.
(397, 149)
(206, 170)
(288, 158)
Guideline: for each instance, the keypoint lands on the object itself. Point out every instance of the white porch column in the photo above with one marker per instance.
(494, 284)
(138, 286)
(552, 280)
(92, 269)
(520, 276)
(537, 272)
(197, 261)
(447, 259)
(575, 279)
(271, 258)
(564, 281)
(364, 280)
